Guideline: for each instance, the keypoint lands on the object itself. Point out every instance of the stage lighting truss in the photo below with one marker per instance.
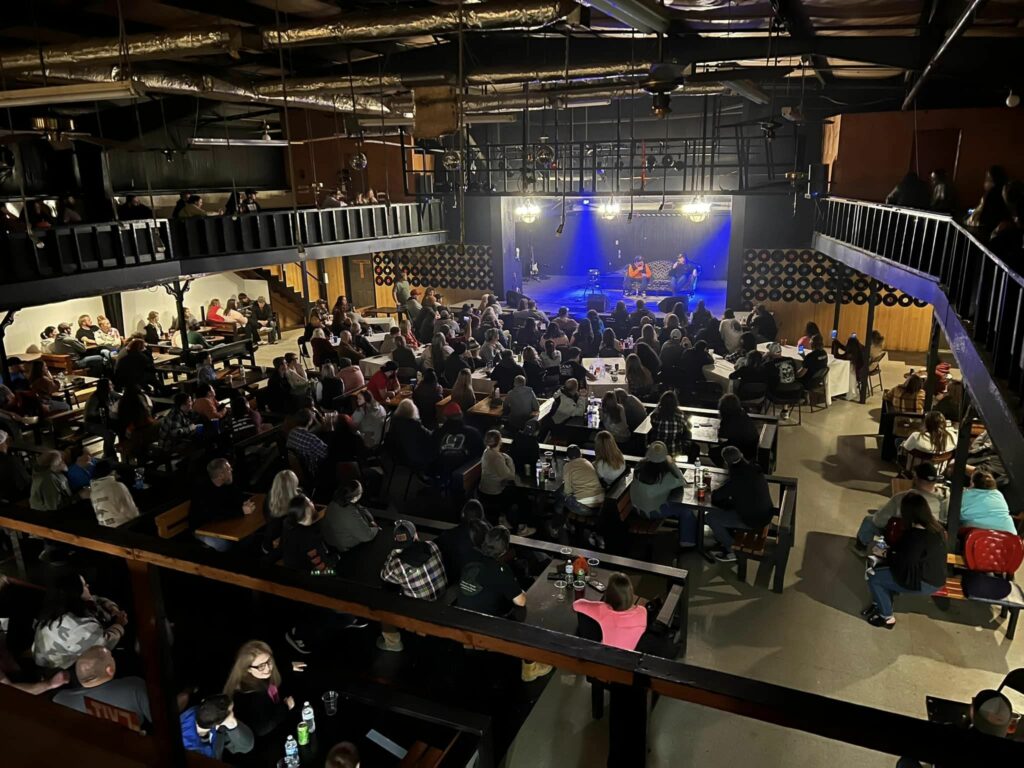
(527, 212)
(609, 210)
(696, 210)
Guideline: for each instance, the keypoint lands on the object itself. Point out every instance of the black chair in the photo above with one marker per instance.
(706, 394)
(753, 396)
(818, 381)
(1014, 680)
(789, 398)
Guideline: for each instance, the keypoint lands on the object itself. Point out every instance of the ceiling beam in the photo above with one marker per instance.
(958, 29)
(793, 16)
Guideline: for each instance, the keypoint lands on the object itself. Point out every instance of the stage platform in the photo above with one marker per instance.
(554, 291)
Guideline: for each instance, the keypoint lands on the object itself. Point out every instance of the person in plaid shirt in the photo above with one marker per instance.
(669, 426)
(311, 450)
(417, 569)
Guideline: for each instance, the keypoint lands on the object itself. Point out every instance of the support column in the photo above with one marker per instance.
(4, 325)
(840, 289)
(956, 492)
(151, 627)
(321, 279)
(178, 291)
(863, 379)
(932, 361)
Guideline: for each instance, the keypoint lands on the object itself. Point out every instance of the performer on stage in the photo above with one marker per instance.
(684, 275)
(638, 274)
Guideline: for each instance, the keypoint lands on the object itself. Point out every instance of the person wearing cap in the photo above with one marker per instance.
(94, 679)
(457, 442)
(742, 502)
(672, 350)
(417, 569)
(520, 404)
(15, 481)
(925, 483)
(984, 506)
(383, 384)
(654, 480)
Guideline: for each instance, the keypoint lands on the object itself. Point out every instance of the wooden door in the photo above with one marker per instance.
(360, 281)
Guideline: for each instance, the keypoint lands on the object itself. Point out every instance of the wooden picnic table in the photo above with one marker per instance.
(236, 528)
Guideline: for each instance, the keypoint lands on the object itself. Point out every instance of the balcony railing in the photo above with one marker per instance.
(980, 287)
(93, 248)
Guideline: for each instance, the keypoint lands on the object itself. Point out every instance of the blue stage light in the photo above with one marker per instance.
(586, 202)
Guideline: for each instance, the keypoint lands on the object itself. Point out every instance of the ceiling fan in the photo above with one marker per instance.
(665, 78)
(58, 132)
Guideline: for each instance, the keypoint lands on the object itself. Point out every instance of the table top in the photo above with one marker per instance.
(529, 483)
(687, 495)
(551, 608)
(378, 322)
(489, 407)
(703, 429)
(74, 383)
(236, 528)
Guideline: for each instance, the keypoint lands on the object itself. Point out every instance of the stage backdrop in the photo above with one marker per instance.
(590, 242)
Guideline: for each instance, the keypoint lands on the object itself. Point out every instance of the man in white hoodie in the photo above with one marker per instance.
(111, 500)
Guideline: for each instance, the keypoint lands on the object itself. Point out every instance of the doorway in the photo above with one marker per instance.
(362, 291)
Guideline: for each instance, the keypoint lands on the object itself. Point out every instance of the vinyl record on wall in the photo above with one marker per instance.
(760, 294)
(774, 295)
(860, 298)
(920, 303)
(846, 299)
(778, 255)
(789, 282)
(806, 256)
(830, 297)
(818, 283)
(775, 282)
(788, 295)
(792, 268)
(819, 270)
(905, 301)
(802, 296)
(816, 297)
(889, 300)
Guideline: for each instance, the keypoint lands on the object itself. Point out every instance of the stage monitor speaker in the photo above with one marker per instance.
(666, 304)
(817, 179)
(597, 301)
(512, 299)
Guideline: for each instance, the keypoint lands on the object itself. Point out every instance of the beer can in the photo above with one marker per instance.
(303, 734)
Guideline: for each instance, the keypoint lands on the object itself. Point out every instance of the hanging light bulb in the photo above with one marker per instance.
(545, 155)
(697, 210)
(1013, 99)
(527, 211)
(359, 161)
(609, 210)
(451, 160)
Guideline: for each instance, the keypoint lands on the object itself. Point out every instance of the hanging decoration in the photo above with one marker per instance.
(697, 210)
(528, 211)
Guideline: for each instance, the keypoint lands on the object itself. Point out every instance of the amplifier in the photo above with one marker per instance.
(597, 301)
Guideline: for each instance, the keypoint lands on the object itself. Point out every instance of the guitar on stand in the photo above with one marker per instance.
(533, 268)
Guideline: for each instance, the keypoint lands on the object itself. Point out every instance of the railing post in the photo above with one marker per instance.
(931, 363)
(863, 379)
(956, 493)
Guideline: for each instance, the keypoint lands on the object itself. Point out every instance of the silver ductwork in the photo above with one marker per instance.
(499, 14)
(576, 72)
(567, 98)
(140, 47)
(207, 86)
(358, 83)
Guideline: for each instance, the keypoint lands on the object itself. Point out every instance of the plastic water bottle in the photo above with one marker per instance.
(291, 752)
(698, 473)
(307, 717)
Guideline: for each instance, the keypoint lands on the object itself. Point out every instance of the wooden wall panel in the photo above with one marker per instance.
(337, 285)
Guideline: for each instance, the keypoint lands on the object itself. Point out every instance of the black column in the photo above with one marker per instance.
(4, 368)
(862, 380)
(956, 493)
(113, 310)
(932, 361)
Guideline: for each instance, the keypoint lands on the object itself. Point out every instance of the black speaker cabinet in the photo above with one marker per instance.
(598, 301)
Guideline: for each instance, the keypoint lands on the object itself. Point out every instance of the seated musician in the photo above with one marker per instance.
(638, 274)
(683, 274)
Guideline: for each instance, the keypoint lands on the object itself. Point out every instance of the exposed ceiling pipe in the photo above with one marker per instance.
(207, 86)
(500, 14)
(958, 29)
(503, 14)
(358, 83)
(565, 98)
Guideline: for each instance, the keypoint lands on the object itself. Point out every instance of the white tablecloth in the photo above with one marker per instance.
(839, 382)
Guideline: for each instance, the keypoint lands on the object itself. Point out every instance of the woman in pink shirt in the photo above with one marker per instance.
(351, 375)
(622, 621)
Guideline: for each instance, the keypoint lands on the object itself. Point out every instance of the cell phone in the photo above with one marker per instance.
(598, 585)
(835, 333)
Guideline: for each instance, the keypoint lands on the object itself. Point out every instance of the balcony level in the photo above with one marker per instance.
(69, 262)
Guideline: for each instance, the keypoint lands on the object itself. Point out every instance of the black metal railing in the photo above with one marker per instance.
(981, 288)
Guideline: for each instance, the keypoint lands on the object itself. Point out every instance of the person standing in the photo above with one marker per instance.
(254, 685)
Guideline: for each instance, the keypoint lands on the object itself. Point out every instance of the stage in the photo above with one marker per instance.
(552, 292)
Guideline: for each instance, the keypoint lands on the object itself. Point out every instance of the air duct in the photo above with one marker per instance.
(501, 14)
(570, 98)
(577, 72)
(140, 47)
(357, 83)
(211, 87)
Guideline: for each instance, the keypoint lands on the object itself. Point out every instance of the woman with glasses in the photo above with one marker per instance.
(254, 684)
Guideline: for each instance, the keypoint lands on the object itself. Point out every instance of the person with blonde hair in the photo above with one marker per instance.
(608, 459)
(254, 684)
(462, 390)
(936, 438)
(106, 335)
(275, 506)
(214, 314)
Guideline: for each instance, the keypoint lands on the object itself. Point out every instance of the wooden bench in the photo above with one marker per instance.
(771, 544)
(63, 363)
(1010, 606)
(174, 521)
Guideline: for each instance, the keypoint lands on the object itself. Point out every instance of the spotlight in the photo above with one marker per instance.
(660, 105)
(697, 209)
(1012, 100)
(666, 161)
(609, 210)
(528, 211)
(561, 228)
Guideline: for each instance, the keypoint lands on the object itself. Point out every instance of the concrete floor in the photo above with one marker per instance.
(810, 637)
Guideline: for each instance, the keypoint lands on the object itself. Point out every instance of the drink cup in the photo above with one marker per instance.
(330, 699)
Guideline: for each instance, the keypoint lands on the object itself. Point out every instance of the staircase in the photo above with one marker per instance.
(290, 305)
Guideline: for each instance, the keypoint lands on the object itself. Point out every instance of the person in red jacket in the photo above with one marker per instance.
(384, 383)
(638, 274)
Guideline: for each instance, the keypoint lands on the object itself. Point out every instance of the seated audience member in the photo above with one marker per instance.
(295, 373)
(100, 415)
(403, 356)
(672, 350)
(193, 208)
(556, 336)
(459, 545)
(462, 391)
(277, 395)
(19, 381)
(50, 490)
(416, 568)
(133, 209)
(585, 340)
(405, 332)
(368, 416)
(135, 367)
(636, 316)
(329, 387)
(153, 329)
(426, 395)
(762, 324)
(748, 344)
(984, 506)
(487, 585)
(520, 404)
(669, 426)
(15, 480)
(308, 447)
(351, 375)
(916, 562)
(572, 368)
(496, 471)
(815, 360)
(565, 321)
(212, 728)
(506, 371)
(107, 335)
(218, 498)
(283, 489)
(656, 477)
(853, 351)
(244, 418)
(384, 385)
(534, 372)
(457, 361)
(691, 366)
(735, 428)
(412, 443)
(254, 686)
(46, 338)
(206, 406)
(936, 438)
(610, 345)
(45, 388)
(214, 313)
(608, 459)
(80, 470)
(111, 500)
(613, 418)
(742, 502)
(622, 621)
(72, 621)
(86, 332)
(582, 491)
(322, 349)
(634, 408)
(343, 755)
(262, 316)
(177, 428)
(907, 397)
(303, 547)
(491, 348)
(525, 446)
(94, 674)
(232, 315)
(528, 335)
(551, 357)
(925, 483)
(457, 442)
(347, 523)
(784, 374)
(752, 374)
(810, 331)
(389, 342)
(983, 457)
(569, 403)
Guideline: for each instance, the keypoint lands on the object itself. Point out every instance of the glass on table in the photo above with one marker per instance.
(330, 699)
(560, 586)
